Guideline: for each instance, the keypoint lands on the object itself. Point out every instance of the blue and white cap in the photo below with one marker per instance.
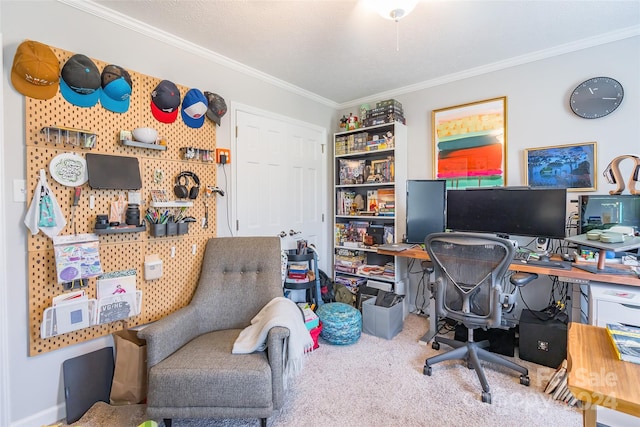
(194, 107)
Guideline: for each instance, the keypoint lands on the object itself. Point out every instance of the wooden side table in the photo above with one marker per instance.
(597, 377)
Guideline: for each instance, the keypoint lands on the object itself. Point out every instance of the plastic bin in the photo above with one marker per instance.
(383, 322)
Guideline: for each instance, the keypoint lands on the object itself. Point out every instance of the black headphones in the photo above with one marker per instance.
(180, 189)
(609, 175)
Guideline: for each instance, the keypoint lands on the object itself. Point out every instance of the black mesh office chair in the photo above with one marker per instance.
(469, 270)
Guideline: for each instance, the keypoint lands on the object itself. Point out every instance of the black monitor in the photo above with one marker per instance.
(506, 211)
(425, 208)
(604, 211)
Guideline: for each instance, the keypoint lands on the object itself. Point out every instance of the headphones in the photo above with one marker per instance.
(180, 189)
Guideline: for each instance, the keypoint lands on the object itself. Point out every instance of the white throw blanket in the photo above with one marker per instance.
(280, 311)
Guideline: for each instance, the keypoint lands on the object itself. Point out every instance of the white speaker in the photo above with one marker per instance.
(542, 244)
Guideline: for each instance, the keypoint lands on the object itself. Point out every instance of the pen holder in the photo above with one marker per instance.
(172, 228)
(158, 230)
(183, 228)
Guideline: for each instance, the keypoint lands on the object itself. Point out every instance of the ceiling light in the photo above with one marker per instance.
(393, 9)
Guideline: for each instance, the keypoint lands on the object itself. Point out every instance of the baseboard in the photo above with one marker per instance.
(43, 418)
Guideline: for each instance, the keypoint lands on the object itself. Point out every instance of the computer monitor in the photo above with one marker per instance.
(425, 209)
(602, 211)
(506, 211)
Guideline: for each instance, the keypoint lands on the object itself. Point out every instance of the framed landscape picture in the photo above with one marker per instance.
(571, 166)
(470, 144)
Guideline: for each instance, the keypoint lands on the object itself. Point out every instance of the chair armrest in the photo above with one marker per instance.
(168, 334)
(275, 352)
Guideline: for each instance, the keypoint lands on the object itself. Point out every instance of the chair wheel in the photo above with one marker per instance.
(524, 380)
(427, 370)
(469, 365)
(435, 345)
(486, 397)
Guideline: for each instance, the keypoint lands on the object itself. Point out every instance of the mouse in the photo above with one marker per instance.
(544, 258)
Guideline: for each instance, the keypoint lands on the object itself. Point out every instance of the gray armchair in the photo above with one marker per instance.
(469, 274)
(191, 371)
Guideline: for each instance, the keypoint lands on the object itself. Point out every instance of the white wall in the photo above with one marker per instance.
(537, 107)
(35, 383)
(538, 115)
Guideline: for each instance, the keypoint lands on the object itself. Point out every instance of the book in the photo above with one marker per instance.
(626, 341)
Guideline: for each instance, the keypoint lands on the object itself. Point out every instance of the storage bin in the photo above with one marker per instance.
(183, 228)
(158, 230)
(172, 228)
(383, 322)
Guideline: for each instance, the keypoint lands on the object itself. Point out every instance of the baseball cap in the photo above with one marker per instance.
(35, 71)
(165, 100)
(194, 107)
(217, 107)
(116, 88)
(80, 81)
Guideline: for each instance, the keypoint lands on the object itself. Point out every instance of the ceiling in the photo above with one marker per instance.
(341, 51)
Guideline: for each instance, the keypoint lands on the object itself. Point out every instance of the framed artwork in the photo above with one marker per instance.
(571, 166)
(470, 144)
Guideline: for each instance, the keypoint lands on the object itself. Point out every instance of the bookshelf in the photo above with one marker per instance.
(369, 188)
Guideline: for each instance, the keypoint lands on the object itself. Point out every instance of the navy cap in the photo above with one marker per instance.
(165, 100)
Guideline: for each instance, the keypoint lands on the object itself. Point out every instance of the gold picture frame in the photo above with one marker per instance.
(470, 144)
(570, 166)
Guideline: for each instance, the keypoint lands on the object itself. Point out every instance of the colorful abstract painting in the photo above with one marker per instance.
(470, 143)
(570, 166)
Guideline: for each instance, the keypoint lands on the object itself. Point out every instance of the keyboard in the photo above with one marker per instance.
(560, 265)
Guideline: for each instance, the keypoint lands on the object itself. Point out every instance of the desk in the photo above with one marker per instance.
(574, 273)
(596, 376)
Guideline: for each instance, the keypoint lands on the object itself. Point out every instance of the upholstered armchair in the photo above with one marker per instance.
(191, 371)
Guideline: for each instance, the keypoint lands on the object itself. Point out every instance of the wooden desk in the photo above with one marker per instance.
(597, 377)
(574, 273)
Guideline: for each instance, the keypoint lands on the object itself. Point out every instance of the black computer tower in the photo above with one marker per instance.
(543, 340)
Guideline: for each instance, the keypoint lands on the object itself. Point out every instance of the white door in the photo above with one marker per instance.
(279, 175)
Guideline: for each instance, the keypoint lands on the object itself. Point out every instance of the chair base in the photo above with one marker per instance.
(473, 352)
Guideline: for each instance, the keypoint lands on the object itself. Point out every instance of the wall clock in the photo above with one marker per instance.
(596, 97)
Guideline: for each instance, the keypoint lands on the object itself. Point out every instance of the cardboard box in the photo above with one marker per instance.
(383, 322)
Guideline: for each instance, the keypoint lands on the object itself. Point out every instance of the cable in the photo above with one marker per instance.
(226, 190)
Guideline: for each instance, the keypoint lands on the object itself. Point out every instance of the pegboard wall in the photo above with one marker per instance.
(119, 251)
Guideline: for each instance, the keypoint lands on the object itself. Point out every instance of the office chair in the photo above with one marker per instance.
(469, 269)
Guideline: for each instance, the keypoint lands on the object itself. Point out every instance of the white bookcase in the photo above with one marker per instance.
(370, 164)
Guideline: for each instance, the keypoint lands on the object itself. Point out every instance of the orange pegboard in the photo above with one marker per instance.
(118, 251)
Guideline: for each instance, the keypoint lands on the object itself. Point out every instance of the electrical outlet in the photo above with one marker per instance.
(223, 155)
(19, 190)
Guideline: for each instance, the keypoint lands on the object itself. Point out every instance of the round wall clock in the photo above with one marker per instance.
(596, 97)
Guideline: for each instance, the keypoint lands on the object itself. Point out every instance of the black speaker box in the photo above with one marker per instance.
(542, 341)
(501, 341)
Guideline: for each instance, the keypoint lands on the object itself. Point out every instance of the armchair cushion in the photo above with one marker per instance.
(212, 375)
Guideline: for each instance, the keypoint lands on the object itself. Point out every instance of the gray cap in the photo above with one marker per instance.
(217, 107)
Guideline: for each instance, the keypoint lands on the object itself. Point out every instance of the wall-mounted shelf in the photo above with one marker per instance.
(131, 143)
(69, 136)
(119, 229)
(173, 204)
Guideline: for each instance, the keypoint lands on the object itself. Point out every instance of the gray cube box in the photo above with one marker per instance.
(383, 322)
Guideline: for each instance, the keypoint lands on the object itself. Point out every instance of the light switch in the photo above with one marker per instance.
(19, 190)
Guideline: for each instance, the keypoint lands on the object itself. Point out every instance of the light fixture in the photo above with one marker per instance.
(394, 9)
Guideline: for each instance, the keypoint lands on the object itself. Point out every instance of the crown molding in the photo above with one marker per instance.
(147, 30)
(562, 49)
(125, 21)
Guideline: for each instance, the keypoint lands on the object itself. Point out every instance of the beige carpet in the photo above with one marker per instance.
(378, 382)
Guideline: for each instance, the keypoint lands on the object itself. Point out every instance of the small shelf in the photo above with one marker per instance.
(119, 229)
(69, 136)
(131, 143)
(173, 204)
